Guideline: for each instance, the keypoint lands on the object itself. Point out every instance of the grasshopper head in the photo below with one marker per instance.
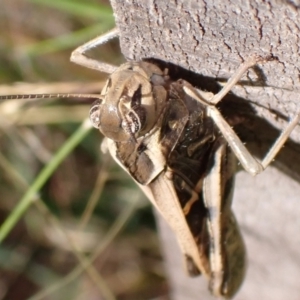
(130, 104)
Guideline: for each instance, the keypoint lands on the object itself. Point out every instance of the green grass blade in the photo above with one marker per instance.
(80, 8)
(46, 172)
(66, 41)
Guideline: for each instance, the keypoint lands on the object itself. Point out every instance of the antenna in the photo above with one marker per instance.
(48, 96)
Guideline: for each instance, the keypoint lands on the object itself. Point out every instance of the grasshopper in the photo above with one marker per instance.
(173, 141)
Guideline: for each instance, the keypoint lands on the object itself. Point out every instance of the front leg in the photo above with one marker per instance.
(250, 164)
(79, 57)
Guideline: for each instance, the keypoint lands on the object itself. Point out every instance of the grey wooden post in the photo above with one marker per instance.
(212, 38)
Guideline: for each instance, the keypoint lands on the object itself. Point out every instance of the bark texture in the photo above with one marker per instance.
(211, 39)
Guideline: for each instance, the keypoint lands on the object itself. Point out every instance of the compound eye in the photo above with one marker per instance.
(95, 114)
(134, 120)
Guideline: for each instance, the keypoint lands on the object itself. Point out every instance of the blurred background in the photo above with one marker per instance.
(89, 232)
